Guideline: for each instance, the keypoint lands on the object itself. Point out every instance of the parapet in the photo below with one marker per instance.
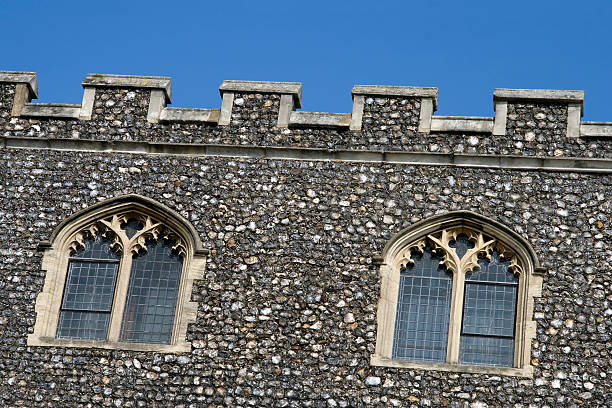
(290, 99)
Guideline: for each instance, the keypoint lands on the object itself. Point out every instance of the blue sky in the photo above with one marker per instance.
(466, 49)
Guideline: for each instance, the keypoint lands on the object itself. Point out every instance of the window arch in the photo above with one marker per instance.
(457, 294)
(119, 274)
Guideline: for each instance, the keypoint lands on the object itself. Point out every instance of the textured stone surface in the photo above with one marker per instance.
(287, 308)
(292, 247)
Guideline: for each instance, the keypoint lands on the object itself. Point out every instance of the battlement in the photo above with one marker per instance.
(290, 94)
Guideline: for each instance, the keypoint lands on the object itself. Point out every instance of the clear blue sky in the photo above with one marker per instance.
(465, 48)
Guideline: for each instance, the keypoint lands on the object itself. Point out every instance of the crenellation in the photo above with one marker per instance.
(383, 117)
(290, 97)
(130, 81)
(26, 88)
(428, 101)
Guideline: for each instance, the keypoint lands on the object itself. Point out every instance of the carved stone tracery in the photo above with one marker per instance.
(90, 232)
(111, 228)
(440, 242)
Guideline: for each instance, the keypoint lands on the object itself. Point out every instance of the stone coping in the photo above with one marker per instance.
(130, 81)
(28, 78)
(553, 95)
(467, 124)
(320, 119)
(189, 115)
(408, 91)
(466, 118)
(51, 110)
(284, 88)
(509, 162)
(596, 129)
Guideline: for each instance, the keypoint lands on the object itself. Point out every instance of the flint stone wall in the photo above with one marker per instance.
(287, 306)
(389, 124)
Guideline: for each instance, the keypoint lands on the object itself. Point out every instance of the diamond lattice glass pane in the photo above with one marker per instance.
(131, 227)
(152, 295)
(423, 309)
(98, 248)
(489, 351)
(489, 309)
(82, 325)
(90, 286)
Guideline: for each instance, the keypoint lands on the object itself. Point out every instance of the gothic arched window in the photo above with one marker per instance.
(119, 275)
(457, 295)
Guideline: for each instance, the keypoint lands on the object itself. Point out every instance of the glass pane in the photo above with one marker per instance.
(132, 227)
(90, 286)
(489, 351)
(423, 309)
(152, 294)
(98, 248)
(82, 325)
(489, 309)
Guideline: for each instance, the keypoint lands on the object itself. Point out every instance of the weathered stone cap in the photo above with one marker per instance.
(551, 95)
(409, 91)
(131, 81)
(22, 77)
(285, 88)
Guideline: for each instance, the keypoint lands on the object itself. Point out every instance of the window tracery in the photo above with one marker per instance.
(120, 277)
(457, 295)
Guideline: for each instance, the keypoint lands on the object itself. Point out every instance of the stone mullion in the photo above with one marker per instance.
(120, 297)
(456, 315)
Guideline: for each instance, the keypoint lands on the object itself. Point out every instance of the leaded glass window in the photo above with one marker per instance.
(88, 292)
(457, 300)
(489, 313)
(120, 275)
(423, 307)
(131, 251)
(152, 293)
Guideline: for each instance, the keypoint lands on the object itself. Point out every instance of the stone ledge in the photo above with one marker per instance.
(131, 81)
(189, 115)
(521, 163)
(472, 124)
(51, 110)
(37, 341)
(596, 129)
(379, 361)
(407, 91)
(552, 95)
(320, 119)
(285, 88)
(22, 77)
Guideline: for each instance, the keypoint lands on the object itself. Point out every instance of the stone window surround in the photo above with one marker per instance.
(55, 263)
(530, 287)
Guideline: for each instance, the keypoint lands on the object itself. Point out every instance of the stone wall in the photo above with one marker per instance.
(287, 306)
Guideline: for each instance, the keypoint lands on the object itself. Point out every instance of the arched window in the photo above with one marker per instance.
(457, 295)
(119, 275)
